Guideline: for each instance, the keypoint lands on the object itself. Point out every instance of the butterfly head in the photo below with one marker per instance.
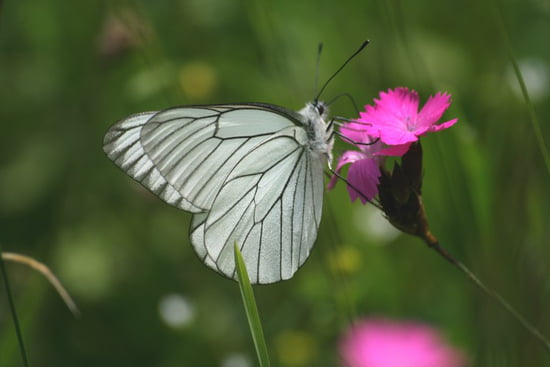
(314, 112)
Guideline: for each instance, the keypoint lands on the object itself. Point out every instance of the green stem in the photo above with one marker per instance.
(13, 311)
(433, 243)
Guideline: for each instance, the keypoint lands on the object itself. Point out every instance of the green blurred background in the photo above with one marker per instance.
(70, 69)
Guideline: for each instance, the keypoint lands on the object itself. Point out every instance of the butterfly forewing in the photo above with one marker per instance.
(201, 147)
(122, 144)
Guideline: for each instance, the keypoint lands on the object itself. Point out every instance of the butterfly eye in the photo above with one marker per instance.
(320, 107)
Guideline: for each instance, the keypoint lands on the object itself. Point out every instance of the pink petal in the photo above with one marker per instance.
(392, 116)
(349, 156)
(433, 110)
(380, 121)
(395, 150)
(395, 119)
(400, 102)
(356, 132)
(444, 125)
(371, 147)
(396, 137)
(363, 176)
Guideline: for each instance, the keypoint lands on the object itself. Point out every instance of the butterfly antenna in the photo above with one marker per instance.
(341, 67)
(319, 51)
(351, 99)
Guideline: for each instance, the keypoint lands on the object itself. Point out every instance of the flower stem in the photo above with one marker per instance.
(433, 243)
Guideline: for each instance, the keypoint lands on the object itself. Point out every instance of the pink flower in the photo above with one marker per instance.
(396, 121)
(364, 170)
(392, 124)
(381, 342)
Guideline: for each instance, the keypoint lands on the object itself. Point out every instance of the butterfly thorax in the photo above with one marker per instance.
(319, 131)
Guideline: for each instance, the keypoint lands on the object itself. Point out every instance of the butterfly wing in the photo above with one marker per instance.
(123, 145)
(246, 173)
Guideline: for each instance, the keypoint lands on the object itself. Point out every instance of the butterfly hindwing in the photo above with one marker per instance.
(196, 236)
(265, 206)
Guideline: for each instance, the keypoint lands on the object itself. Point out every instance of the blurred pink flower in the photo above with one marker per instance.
(395, 118)
(381, 342)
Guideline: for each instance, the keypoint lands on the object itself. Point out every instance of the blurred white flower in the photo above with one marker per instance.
(370, 221)
(176, 310)
(236, 360)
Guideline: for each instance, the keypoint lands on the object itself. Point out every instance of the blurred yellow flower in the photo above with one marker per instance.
(295, 348)
(345, 259)
(197, 79)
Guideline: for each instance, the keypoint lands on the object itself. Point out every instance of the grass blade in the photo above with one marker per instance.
(13, 312)
(251, 310)
(517, 72)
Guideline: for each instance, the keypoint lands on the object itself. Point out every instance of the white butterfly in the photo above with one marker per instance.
(250, 173)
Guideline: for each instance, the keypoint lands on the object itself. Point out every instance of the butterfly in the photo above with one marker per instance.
(251, 174)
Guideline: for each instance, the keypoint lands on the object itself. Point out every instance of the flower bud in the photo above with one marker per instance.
(399, 193)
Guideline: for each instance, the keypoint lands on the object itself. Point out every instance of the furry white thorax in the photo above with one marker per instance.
(320, 131)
